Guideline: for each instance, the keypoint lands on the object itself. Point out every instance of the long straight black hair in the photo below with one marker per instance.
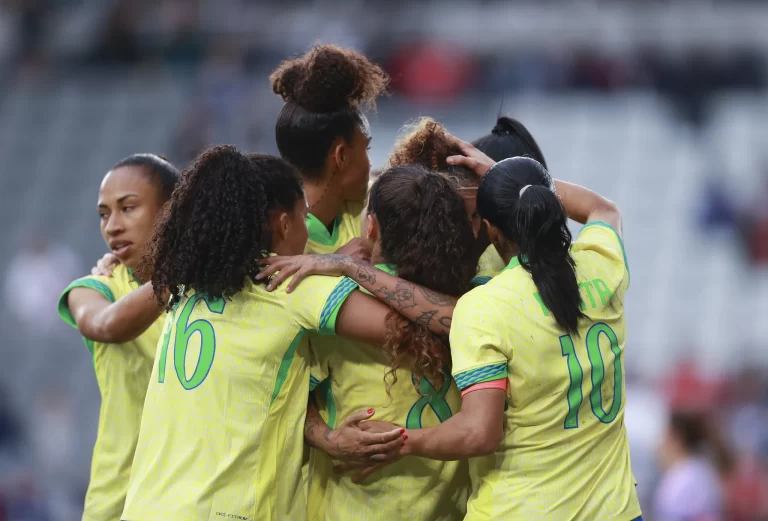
(537, 224)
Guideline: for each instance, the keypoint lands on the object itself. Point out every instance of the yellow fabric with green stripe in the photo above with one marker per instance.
(222, 432)
(565, 453)
(122, 372)
(349, 377)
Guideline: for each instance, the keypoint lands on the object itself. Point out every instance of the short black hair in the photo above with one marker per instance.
(509, 138)
(159, 170)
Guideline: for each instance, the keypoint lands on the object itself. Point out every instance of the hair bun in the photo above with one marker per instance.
(329, 78)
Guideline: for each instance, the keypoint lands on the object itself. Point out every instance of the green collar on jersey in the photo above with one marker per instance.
(514, 263)
(387, 268)
(319, 233)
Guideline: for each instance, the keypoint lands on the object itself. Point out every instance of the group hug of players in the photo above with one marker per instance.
(281, 339)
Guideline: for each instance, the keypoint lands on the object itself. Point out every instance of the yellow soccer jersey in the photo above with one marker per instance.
(222, 432)
(346, 227)
(122, 372)
(565, 454)
(489, 265)
(349, 377)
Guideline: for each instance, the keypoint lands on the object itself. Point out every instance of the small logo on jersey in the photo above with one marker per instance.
(232, 516)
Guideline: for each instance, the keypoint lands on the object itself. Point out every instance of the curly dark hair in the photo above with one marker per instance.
(426, 234)
(217, 223)
(424, 142)
(324, 92)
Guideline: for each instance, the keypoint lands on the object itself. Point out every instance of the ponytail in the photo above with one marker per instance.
(517, 197)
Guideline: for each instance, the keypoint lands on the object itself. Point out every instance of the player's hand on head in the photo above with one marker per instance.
(357, 248)
(471, 157)
(359, 446)
(105, 265)
(278, 269)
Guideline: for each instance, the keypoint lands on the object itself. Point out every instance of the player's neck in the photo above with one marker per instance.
(325, 201)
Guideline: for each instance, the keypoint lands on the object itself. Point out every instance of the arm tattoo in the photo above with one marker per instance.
(426, 318)
(445, 322)
(363, 275)
(438, 299)
(402, 298)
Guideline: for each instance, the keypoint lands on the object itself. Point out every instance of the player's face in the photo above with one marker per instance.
(358, 168)
(470, 205)
(128, 205)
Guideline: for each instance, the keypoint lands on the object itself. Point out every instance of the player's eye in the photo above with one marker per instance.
(475, 215)
(102, 215)
(128, 208)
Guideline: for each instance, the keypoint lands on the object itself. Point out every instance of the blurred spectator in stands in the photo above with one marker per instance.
(718, 212)
(119, 42)
(432, 72)
(690, 488)
(35, 278)
(756, 227)
(747, 485)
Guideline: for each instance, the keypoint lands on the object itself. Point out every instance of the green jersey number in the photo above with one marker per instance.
(575, 396)
(184, 333)
(431, 397)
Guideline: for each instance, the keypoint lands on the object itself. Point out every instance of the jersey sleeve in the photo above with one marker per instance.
(476, 343)
(103, 285)
(599, 251)
(317, 299)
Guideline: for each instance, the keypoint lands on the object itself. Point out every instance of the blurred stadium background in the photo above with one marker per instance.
(661, 106)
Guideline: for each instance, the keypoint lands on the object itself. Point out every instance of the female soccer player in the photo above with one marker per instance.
(220, 434)
(509, 138)
(119, 323)
(554, 334)
(419, 231)
(323, 131)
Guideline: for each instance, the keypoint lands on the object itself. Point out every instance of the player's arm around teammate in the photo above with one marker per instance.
(478, 428)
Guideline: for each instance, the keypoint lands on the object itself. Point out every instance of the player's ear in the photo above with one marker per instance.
(339, 154)
(371, 230)
(280, 226)
(493, 233)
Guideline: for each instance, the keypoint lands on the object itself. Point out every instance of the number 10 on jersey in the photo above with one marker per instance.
(575, 395)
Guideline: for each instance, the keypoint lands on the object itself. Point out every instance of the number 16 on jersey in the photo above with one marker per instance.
(184, 333)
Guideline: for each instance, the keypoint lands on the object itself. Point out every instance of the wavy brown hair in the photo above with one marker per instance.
(218, 222)
(424, 142)
(325, 92)
(425, 233)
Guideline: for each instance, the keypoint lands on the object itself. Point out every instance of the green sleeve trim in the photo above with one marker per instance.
(330, 311)
(85, 282)
(478, 375)
(479, 281)
(285, 365)
(618, 237)
(314, 382)
(319, 233)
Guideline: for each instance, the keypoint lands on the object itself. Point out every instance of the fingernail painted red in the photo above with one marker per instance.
(402, 431)
(370, 411)
(405, 436)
